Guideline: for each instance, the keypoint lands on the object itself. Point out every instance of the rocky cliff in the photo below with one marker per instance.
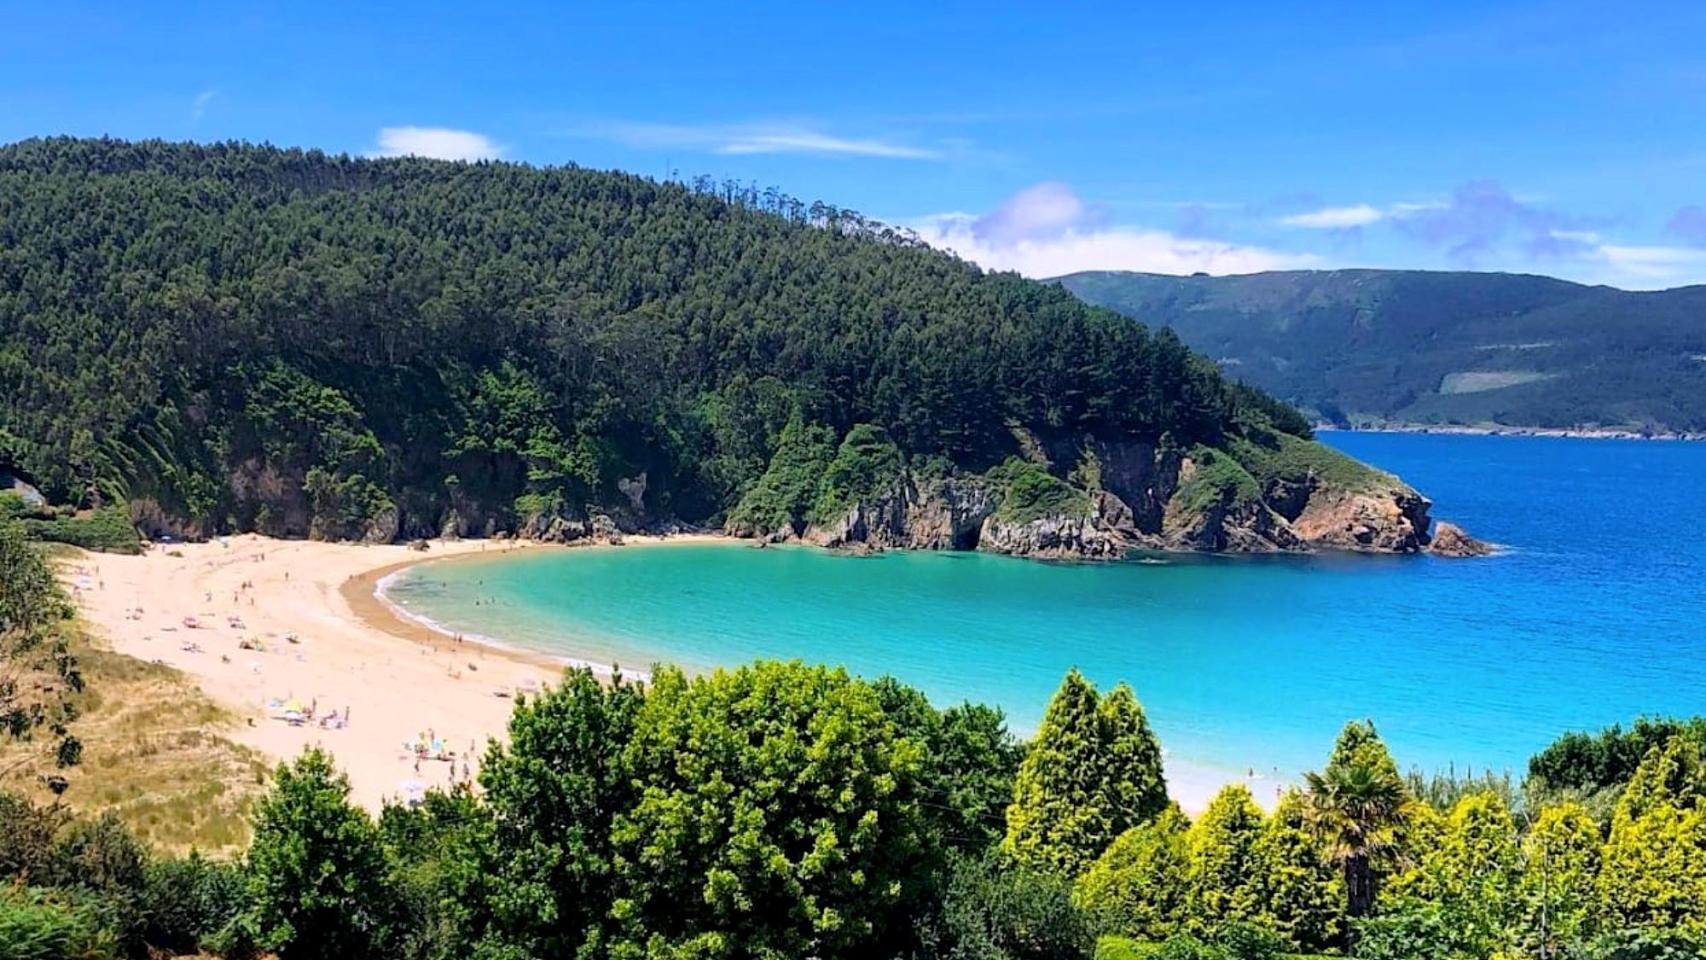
(1085, 498)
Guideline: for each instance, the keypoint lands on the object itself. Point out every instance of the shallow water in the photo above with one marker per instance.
(1596, 613)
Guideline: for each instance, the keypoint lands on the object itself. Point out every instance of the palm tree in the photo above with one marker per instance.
(1356, 809)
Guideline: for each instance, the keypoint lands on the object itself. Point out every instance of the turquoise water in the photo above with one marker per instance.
(1597, 613)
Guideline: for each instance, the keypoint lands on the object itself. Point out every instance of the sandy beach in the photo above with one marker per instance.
(391, 680)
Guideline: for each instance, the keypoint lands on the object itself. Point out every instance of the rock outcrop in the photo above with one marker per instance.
(1449, 540)
(1275, 494)
(1382, 521)
(1055, 537)
(937, 514)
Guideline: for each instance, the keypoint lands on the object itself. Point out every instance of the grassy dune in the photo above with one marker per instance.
(154, 753)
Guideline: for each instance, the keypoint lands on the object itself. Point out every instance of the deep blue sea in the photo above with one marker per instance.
(1595, 613)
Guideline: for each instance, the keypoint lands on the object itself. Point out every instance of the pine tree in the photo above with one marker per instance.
(1138, 886)
(1134, 782)
(1560, 865)
(1223, 865)
(1300, 894)
(1654, 868)
(1093, 772)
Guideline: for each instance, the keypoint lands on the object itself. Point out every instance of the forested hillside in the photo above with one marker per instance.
(231, 337)
(1407, 346)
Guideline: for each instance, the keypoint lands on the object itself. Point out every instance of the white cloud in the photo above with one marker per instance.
(746, 139)
(202, 101)
(438, 143)
(810, 142)
(1335, 218)
(1644, 265)
(1047, 230)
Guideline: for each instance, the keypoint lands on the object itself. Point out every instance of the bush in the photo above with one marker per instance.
(103, 859)
(26, 839)
(993, 909)
(1593, 761)
(37, 925)
(189, 902)
(1028, 492)
(1123, 948)
(1250, 941)
(1186, 947)
(108, 530)
(1644, 945)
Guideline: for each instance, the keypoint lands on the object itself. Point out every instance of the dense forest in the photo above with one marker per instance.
(781, 810)
(1367, 347)
(230, 336)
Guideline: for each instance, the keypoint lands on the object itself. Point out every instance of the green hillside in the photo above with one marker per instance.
(242, 337)
(1363, 346)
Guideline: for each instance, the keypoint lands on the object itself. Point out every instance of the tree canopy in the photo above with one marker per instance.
(246, 337)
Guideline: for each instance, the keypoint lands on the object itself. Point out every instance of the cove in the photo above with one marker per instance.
(1595, 613)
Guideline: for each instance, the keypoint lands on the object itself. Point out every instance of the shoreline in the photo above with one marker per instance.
(366, 595)
(255, 623)
(1499, 430)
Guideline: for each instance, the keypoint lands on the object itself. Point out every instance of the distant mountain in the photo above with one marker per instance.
(1407, 346)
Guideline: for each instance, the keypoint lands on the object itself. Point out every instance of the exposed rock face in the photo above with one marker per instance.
(1055, 537)
(943, 514)
(1229, 528)
(1449, 540)
(635, 490)
(1142, 496)
(1389, 521)
(382, 528)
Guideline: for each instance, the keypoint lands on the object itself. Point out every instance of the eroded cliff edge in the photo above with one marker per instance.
(1087, 498)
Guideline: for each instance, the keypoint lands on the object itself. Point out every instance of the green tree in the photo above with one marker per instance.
(354, 347)
(1224, 874)
(778, 815)
(1092, 772)
(1560, 855)
(554, 792)
(1139, 886)
(970, 760)
(38, 673)
(866, 465)
(783, 497)
(443, 860)
(1300, 894)
(1472, 876)
(1357, 809)
(1653, 873)
(318, 884)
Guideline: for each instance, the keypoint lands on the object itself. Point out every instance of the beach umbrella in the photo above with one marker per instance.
(293, 706)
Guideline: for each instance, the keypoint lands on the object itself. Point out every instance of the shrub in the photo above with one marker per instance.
(39, 925)
(190, 901)
(1186, 947)
(866, 465)
(1028, 492)
(993, 909)
(108, 530)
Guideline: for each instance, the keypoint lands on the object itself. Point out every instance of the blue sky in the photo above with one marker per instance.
(1556, 137)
